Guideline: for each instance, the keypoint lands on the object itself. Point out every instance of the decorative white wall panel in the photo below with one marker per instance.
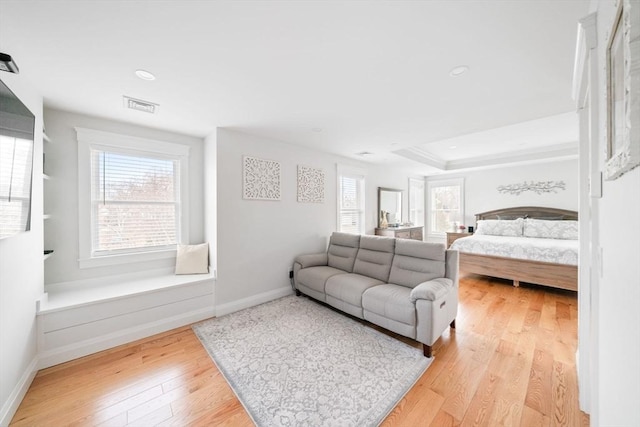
(260, 179)
(310, 185)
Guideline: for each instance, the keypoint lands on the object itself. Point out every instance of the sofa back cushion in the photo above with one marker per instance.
(416, 262)
(342, 251)
(375, 256)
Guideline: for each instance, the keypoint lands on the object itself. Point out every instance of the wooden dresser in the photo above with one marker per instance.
(414, 233)
(453, 236)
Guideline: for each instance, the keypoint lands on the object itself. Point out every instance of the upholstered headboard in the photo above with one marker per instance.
(529, 212)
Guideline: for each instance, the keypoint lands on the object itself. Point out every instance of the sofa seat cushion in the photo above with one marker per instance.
(316, 277)
(350, 287)
(392, 302)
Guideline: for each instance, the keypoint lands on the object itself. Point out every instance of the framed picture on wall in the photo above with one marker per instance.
(623, 90)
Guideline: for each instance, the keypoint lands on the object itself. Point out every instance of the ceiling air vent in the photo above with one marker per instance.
(140, 105)
(364, 154)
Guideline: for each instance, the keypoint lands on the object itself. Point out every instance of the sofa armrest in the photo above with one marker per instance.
(431, 290)
(312, 260)
(452, 266)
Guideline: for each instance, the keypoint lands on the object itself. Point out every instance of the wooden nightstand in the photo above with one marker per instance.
(453, 236)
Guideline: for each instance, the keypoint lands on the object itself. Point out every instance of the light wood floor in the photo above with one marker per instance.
(511, 361)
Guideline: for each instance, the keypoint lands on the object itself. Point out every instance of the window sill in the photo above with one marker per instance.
(103, 261)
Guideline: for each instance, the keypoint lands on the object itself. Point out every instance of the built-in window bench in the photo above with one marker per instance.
(82, 317)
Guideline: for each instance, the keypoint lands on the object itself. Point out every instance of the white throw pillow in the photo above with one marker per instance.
(566, 230)
(500, 227)
(192, 259)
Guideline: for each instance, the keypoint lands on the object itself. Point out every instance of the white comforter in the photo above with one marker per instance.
(531, 248)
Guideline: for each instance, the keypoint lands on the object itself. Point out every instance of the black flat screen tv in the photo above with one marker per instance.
(16, 163)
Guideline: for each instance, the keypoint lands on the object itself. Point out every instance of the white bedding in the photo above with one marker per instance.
(556, 251)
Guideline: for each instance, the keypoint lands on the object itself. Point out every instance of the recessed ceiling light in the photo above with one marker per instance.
(453, 147)
(364, 154)
(458, 71)
(317, 130)
(145, 75)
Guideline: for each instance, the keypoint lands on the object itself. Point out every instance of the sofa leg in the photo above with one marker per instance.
(426, 350)
(298, 293)
(453, 324)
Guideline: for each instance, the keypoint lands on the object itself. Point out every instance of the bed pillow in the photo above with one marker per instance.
(500, 227)
(565, 230)
(192, 259)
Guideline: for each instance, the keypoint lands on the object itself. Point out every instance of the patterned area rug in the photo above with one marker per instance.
(294, 362)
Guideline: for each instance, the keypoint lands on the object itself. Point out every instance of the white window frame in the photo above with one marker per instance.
(361, 176)
(431, 184)
(420, 182)
(89, 139)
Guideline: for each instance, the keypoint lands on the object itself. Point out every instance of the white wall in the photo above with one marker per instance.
(617, 306)
(61, 195)
(21, 277)
(481, 194)
(258, 240)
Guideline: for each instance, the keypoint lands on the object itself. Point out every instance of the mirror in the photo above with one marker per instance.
(389, 207)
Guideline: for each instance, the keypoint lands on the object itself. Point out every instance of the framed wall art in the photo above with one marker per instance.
(310, 185)
(623, 90)
(260, 179)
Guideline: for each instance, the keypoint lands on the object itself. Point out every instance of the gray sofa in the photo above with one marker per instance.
(406, 286)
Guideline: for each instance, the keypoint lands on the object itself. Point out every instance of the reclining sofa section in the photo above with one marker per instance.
(406, 286)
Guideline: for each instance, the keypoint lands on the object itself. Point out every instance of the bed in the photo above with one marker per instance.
(552, 261)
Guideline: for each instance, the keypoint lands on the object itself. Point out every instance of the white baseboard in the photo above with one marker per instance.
(73, 351)
(11, 405)
(253, 300)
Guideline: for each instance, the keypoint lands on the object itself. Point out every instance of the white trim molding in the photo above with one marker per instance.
(10, 407)
(252, 301)
(585, 94)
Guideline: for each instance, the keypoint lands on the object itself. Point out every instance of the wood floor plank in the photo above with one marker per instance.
(459, 395)
(533, 418)
(480, 409)
(152, 418)
(539, 388)
(419, 407)
(511, 361)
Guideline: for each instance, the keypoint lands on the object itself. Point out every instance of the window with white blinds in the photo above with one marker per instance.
(351, 203)
(132, 198)
(135, 202)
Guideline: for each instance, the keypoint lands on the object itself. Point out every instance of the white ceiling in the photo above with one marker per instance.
(372, 76)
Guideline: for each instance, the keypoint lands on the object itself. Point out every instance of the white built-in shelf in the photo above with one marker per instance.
(46, 216)
(45, 176)
(45, 137)
(48, 255)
